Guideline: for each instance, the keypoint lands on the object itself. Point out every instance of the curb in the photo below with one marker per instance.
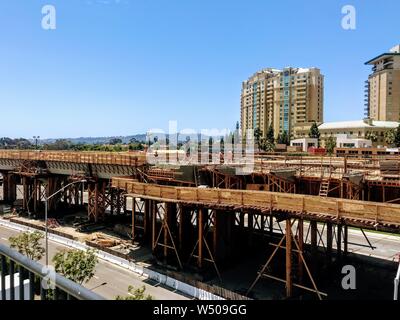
(129, 265)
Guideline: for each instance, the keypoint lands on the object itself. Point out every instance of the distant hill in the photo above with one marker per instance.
(106, 140)
(97, 140)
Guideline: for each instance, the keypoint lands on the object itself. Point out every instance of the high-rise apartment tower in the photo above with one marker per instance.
(382, 94)
(282, 98)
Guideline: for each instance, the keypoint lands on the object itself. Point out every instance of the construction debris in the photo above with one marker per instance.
(103, 240)
(9, 216)
(52, 223)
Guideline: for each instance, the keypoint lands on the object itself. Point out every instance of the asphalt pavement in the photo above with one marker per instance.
(109, 280)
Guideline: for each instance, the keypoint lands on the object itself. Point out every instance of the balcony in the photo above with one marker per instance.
(23, 279)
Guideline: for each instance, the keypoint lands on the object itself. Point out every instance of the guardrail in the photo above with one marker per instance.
(32, 275)
(396, 284)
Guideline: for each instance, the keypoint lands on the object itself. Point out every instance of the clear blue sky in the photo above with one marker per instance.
(123, 67)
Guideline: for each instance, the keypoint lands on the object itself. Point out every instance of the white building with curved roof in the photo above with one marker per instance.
(358, 129)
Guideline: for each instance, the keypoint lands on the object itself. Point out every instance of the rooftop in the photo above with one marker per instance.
(382, 56)
(274, 72)
(395, 51)
(358, 124)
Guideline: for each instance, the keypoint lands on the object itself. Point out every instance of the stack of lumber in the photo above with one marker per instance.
(103, 240)
(52, 223)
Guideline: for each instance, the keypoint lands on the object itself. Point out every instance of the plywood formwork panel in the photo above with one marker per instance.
(333, 208)
(94, 157)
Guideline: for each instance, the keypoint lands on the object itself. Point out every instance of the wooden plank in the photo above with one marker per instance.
(330, 207)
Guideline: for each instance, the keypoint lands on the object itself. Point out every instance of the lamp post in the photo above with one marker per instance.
(45, 213)
(36, 141)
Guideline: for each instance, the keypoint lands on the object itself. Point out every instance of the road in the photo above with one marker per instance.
(109, 280)
(385, 246)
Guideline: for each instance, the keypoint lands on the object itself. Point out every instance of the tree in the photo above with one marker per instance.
(115, 141)
(330, 145)
(266, 145)
(136, 294)
(372, 136)
(23, 144)
(257, 136)
(390, 136)
(136, 146)
(76, 265)
(314, 132)
(210, 145)
(397, 137)
(19, 143)
(236, 134)
(28, 244)
(59, 144)
(222, 145)
(270, 135)
(283, 138)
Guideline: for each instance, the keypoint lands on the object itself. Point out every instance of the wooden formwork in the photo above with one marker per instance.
(368, 213)
(111, 158)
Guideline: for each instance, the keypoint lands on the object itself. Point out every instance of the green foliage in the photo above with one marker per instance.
(257, 136)
(270, 135)
(60, 144)
(330, 145)
(136, 294)
(266, 145)
(76, 265)
(210, 144)
(50, 294)
(28, 244)
(372, 136)
(115, 145)
(283, 138)
(107, 147)
(6, 271)
(314, 132)
(390, 136)
(136, 146)
(115, 141)
(20, 143)
(397, 137)
(222, 144)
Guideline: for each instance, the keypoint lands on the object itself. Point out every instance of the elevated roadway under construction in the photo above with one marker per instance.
(187, 224)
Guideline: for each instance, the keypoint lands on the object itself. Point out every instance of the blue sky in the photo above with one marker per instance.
(123, 67)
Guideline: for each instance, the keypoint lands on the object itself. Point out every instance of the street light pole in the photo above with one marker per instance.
(36, 141)
(45, 214)
(46, 232)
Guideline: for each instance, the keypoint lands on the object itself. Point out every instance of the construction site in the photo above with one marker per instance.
(283, 231)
